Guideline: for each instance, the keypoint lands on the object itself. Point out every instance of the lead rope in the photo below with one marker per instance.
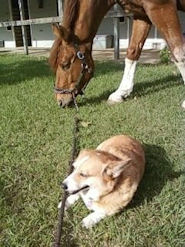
(58, 234)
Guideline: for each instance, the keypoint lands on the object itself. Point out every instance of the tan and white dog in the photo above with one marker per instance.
(106, 178)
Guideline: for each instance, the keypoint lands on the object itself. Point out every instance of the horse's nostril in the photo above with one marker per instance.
(64, 102)
(60, 103)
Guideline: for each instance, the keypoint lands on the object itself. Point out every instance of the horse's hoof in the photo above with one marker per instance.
(114, 99)
(183, 105)
(113, 102)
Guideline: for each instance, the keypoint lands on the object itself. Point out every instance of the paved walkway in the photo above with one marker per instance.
(147, 56)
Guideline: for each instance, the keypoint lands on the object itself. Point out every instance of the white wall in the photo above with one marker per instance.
(5, 35)
(107, 27)
(154, 39)
(42, 35)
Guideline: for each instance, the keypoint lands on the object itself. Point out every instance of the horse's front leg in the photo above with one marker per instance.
(140, 30)
(165, 18)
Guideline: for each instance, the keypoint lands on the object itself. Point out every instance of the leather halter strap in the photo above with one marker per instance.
(84, 69)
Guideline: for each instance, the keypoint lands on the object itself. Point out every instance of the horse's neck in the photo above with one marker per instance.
(90, 17)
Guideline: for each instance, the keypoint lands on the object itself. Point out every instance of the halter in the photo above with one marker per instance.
(84, 69)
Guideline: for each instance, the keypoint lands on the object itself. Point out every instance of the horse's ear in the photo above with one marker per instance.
(60, 32)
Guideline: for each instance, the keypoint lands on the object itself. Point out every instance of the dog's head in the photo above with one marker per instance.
(95, 172)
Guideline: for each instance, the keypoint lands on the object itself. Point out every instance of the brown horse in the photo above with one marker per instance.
(71, 56)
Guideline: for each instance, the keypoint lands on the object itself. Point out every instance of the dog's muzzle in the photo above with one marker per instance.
(65, 187)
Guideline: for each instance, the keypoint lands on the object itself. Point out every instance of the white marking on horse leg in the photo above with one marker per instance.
(181, 67)
(179, 54)
(127, 83)
(93, 218)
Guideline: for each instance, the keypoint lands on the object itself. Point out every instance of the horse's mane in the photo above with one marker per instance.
(70, 14)
(71, 8)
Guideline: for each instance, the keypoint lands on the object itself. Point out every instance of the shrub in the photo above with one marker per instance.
(165, 56)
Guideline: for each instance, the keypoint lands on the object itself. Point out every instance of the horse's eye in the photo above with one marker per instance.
(83, 175)
(65, 65)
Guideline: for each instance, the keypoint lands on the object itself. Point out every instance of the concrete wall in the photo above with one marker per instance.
(5, 34)
(154, 39)
(42, 35)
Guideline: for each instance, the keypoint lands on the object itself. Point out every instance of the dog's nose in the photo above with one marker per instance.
(64, 186)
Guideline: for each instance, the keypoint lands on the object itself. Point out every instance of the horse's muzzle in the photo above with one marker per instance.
(65, 103)
(69, 99)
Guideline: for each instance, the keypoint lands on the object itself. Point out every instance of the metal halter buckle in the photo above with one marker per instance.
(80, 55)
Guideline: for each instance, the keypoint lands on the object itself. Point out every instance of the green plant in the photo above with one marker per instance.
(165, 56)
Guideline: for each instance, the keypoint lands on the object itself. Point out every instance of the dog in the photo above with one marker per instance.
(106, 178)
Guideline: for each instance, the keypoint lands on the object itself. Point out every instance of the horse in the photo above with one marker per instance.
(71, 53)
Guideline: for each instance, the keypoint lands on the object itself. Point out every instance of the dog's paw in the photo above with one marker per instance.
(70, 201)
(183, 105)
(88, 222)
(66, 205)
(59, 205)
(92, 219)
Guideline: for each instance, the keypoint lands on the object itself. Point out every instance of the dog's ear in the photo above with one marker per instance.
(116, 170)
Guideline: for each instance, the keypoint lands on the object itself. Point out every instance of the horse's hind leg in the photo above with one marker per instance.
(140, 30)
(165, 18)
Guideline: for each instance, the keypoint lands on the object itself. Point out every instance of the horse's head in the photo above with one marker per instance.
(72, 63)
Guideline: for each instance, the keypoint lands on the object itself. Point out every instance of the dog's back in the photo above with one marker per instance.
(123, 147)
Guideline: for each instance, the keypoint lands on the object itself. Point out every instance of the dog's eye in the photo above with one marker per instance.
(83, 175)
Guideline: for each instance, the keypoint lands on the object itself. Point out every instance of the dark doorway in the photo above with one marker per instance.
(16, 16)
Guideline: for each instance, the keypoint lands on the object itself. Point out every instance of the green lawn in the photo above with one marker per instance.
(35, 142)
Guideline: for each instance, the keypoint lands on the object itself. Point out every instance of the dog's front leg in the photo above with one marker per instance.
(93, 218)
(70, 201)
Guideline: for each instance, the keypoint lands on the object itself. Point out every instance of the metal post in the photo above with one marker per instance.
(11, 18)
(31, 30)
(116, 35)
(128, 29)
(24, 34)
(60, 8)
(155, 38)
(155, 34)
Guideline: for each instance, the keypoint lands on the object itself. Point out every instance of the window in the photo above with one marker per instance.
(40, 4)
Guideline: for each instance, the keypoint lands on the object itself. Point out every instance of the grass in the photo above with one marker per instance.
(35, 141)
